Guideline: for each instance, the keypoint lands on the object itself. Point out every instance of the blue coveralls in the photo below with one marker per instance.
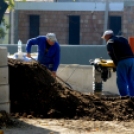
(120, 52)
(125, 77)
(50, 57)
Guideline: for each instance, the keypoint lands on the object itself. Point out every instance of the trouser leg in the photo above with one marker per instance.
(121, 80)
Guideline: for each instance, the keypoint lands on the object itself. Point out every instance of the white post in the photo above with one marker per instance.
(12, 27)
(106, 18)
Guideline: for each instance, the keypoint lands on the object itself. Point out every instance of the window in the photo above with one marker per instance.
(34, 21)
(115, 24)
(74, 30)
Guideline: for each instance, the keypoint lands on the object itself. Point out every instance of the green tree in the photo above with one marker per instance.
(11, 3)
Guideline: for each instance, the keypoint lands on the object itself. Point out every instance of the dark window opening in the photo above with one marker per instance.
(74, 30)
(115, 24)
(34, 21)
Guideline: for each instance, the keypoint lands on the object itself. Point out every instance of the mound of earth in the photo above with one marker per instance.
(5, 120)
(34, 91)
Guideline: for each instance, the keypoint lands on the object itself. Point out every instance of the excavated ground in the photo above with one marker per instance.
(34, 92)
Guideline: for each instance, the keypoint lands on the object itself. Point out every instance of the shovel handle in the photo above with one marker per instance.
(56, 75)
(64, 82)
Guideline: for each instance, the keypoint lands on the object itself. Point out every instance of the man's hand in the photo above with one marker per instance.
(54, 73)
(28, 55)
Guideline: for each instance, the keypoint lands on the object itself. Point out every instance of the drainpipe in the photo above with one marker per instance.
(11, 30)
(12, 27)
(106, 18)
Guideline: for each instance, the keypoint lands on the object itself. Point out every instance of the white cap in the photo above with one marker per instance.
(108, 32)
(51, 37)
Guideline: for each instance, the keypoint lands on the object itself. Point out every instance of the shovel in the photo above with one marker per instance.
(68, 85)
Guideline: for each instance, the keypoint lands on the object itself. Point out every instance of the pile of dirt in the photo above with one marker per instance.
(33, 91)
(5, 120)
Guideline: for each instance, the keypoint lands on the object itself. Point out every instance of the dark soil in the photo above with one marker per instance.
(5, 119)
(34, 92)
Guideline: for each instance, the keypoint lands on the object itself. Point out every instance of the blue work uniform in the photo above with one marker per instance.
(47, 55)
(121, 53)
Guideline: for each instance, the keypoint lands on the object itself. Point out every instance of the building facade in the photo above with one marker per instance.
(74, 23)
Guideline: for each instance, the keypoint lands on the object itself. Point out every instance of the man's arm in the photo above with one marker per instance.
(30, 42)
(110, 50)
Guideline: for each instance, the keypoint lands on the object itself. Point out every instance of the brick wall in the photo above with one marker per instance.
(91, 24)
(128, 21)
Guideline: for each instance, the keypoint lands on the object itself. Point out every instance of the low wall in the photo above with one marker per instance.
(80, 54)
(72, 54)
(4, 82)
(80, 77)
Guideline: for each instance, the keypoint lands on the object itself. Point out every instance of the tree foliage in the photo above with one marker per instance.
(11, 3)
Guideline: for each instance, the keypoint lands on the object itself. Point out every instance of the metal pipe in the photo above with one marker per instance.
(106, 18)
(97, 82)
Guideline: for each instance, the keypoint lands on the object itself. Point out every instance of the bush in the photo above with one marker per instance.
(2, 33)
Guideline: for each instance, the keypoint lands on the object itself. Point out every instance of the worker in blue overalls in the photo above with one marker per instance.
(122, 55)
(48, 51)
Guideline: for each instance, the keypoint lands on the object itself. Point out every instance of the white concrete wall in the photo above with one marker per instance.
(4, 82)
(69, 6)
(80, 77)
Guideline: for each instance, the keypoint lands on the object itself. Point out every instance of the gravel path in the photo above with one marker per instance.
(53, 126)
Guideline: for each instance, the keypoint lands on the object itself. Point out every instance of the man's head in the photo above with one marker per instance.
(51, 38)
(107, 34)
